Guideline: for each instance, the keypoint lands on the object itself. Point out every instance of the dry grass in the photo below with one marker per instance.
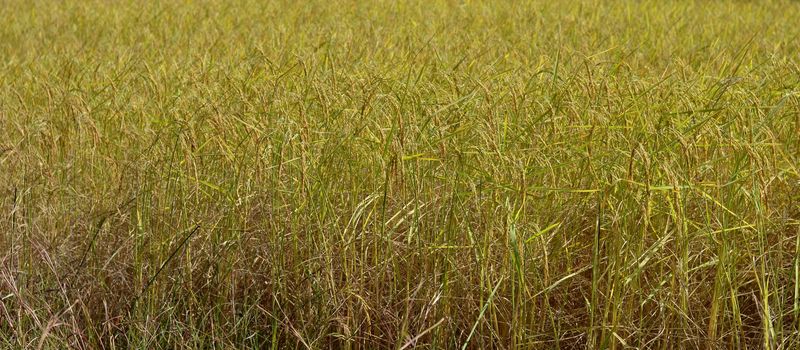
(412, 174)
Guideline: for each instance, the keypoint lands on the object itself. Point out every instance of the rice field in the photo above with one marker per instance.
(399, 174)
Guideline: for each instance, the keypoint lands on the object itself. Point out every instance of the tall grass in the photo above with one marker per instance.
(416, 174)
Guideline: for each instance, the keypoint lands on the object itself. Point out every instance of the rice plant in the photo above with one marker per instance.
(399, 174)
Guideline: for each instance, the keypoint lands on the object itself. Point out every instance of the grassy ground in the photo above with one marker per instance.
(380, 174)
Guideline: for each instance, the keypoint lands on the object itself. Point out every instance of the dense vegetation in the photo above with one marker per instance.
(381, 174)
